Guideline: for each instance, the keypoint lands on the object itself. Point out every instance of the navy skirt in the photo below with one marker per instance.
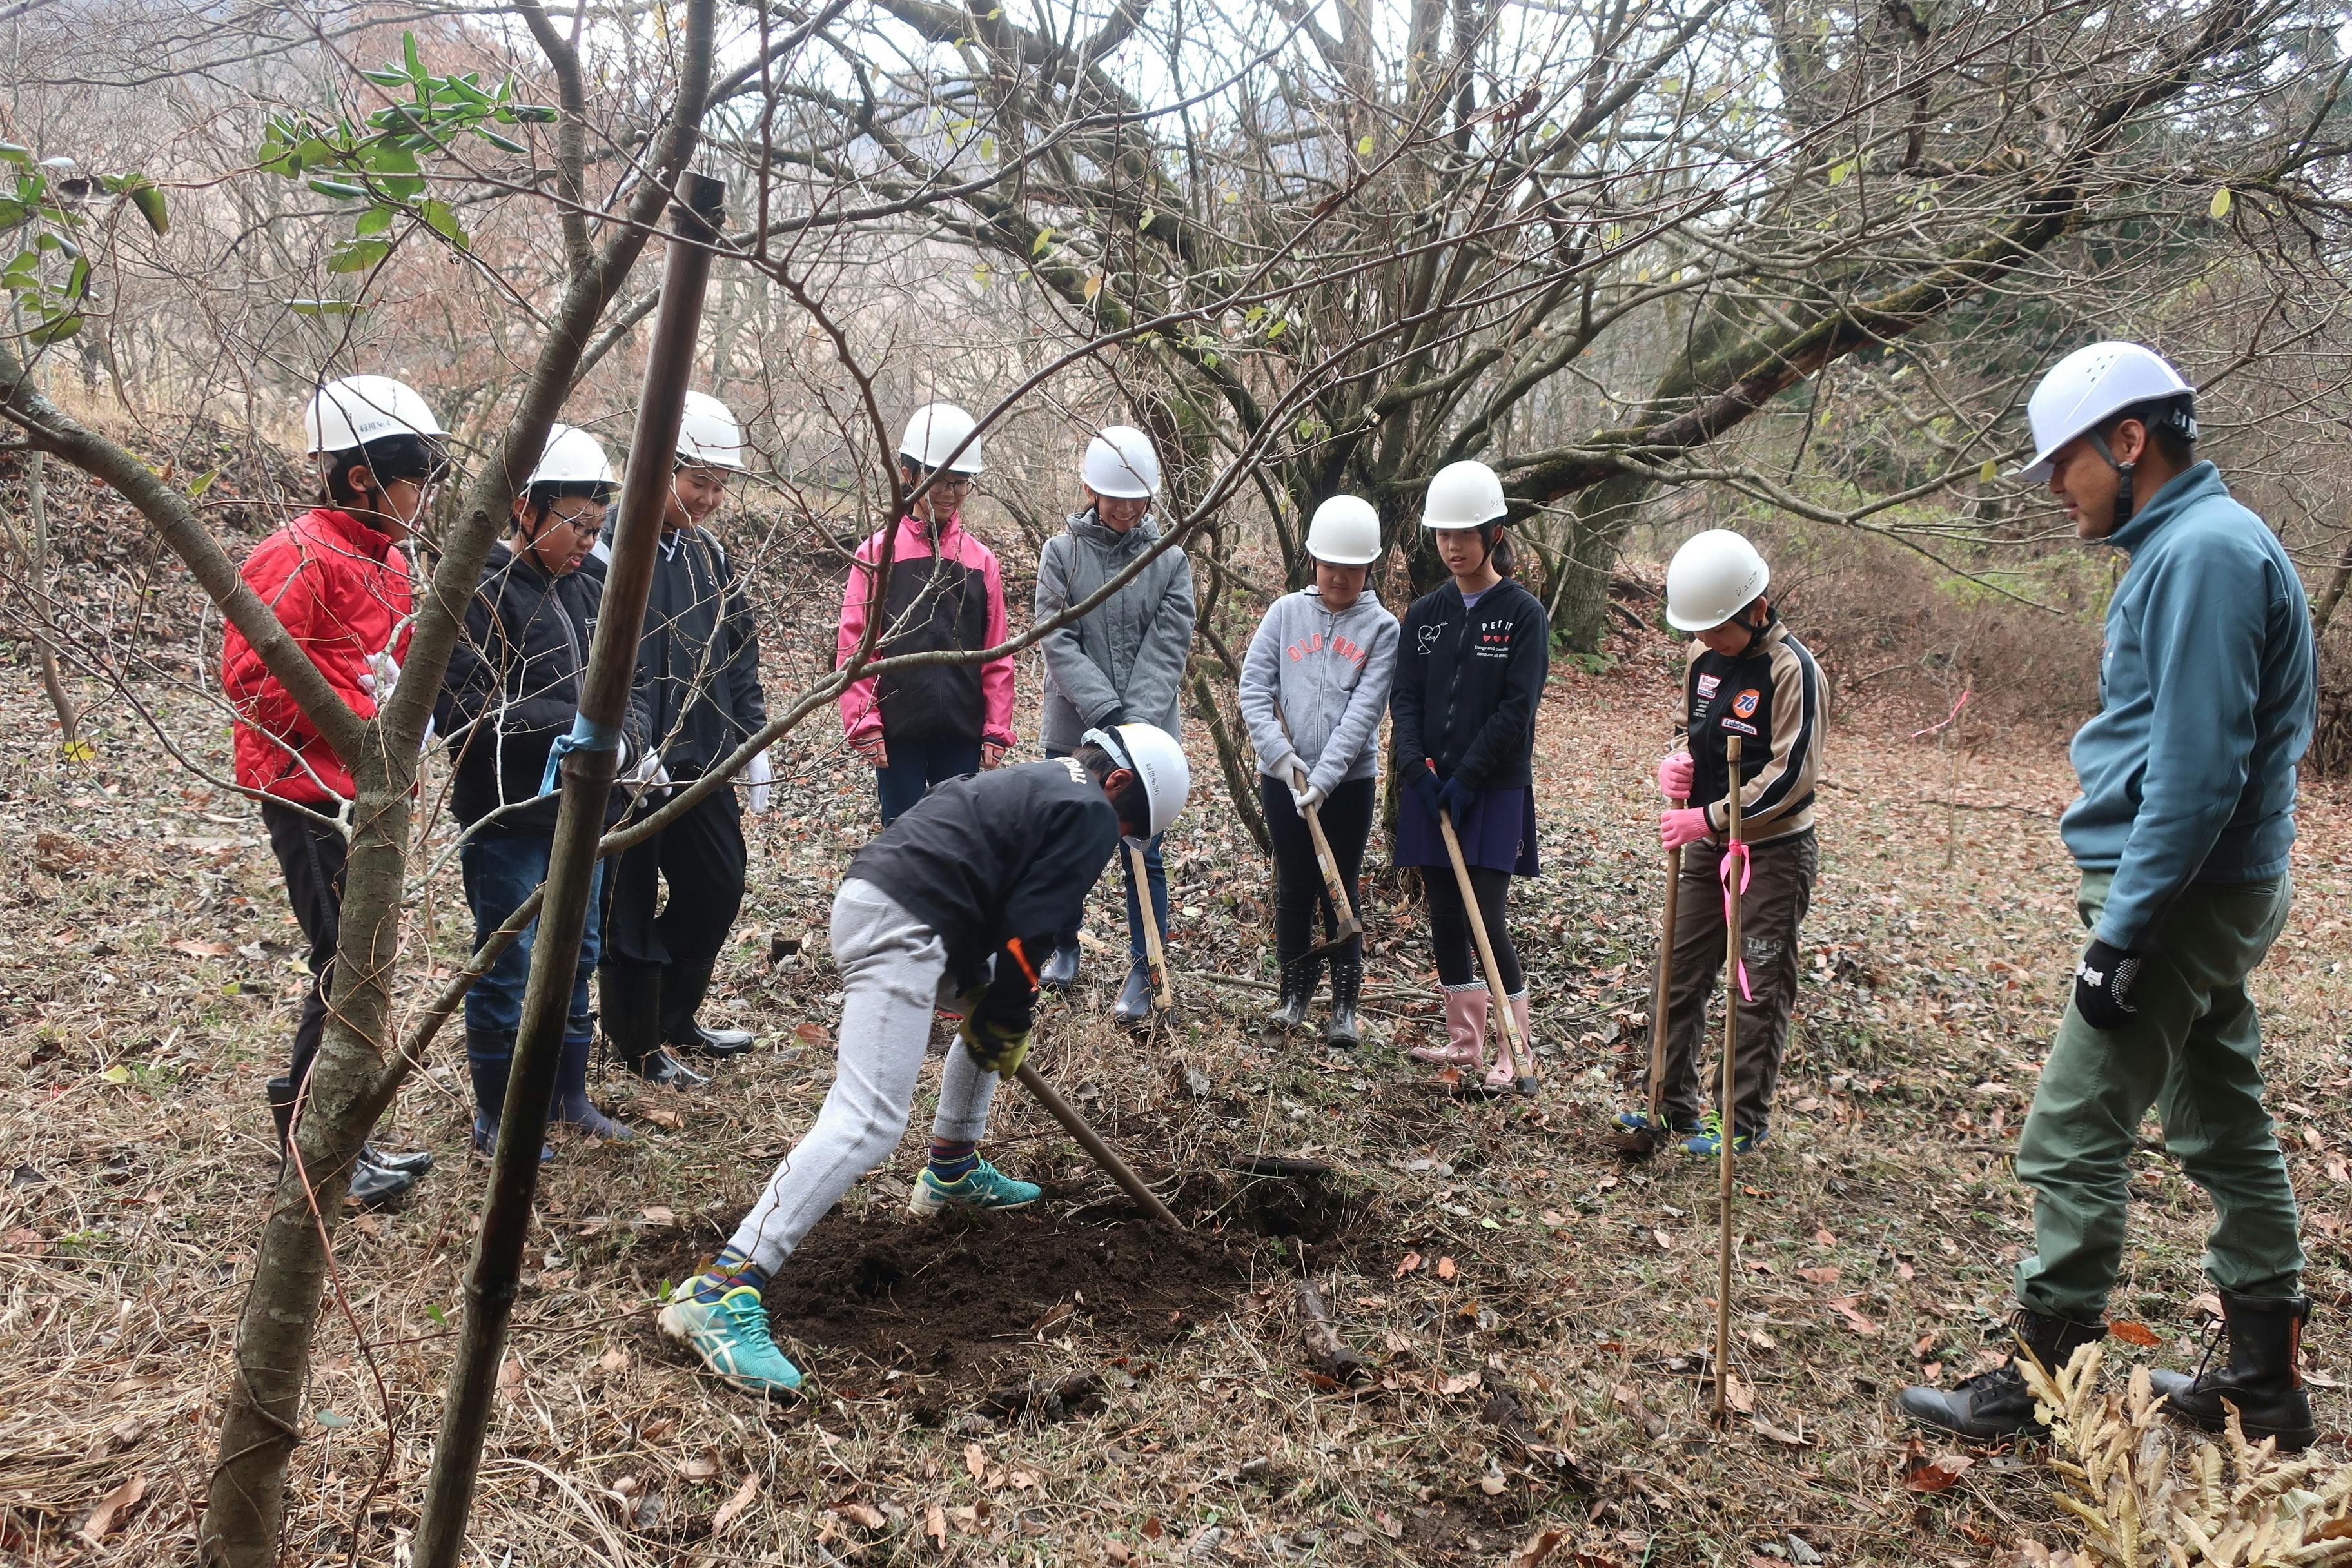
(1498, 833)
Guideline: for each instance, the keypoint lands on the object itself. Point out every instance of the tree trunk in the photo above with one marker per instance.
(262, 1422)
(1580, 594)
(2322, 609)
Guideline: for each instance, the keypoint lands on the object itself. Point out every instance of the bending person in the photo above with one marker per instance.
(981, 876)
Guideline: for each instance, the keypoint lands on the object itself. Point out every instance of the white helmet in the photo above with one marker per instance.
(1463, 495)
(1122, 464)
(362, 409)
(1346, 533)
(707, 437)
(1152, 755)
(571, 456)
(1713, 577)
(2087, 388)
(934, 431)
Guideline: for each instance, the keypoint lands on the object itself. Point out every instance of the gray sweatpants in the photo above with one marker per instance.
(893, 973)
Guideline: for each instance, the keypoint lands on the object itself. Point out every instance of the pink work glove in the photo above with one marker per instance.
(1675, 777)
(1676, 828)
(991, 753)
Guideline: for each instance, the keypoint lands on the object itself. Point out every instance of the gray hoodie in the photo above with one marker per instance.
(1129, 653)
(1331, 673)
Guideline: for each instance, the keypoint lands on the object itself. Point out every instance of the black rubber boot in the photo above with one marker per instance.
(2264, 1378)
(573, 1105)
(1996, 1404)
(631, 994)
(490, 1059)
(683, 986)
(1347, 985)
(281, 1109)
(1060, 970)
(1134, 1003)
(1298, 978)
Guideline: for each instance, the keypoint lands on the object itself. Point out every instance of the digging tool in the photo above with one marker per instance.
(1116, 1168)
(1152, 949)
(1728, 1129)
(1349, 927)
(1506, 1026)
(1650, 1139)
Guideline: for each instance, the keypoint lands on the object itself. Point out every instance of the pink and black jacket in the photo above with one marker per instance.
(945, 594)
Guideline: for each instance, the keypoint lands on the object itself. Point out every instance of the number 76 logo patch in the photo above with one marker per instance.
(1745, 704)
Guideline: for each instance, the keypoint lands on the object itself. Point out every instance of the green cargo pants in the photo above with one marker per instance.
(2192, 1053)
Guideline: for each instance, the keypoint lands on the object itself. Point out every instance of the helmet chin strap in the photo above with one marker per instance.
(2123, 478)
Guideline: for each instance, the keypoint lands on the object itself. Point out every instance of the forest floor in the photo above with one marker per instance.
(1064, 1385)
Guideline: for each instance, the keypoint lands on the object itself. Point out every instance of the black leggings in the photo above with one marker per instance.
(1298, 890)
(1449, 927)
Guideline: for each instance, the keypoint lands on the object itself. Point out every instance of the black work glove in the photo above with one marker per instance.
(1426, 787)
(2102, 984)
(1114, 719)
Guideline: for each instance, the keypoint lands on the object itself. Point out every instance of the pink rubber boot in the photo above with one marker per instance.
(1502, 1075)
(1465, 1023)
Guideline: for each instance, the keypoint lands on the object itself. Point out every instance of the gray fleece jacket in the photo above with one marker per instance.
(1128, 656)
(1330, 674)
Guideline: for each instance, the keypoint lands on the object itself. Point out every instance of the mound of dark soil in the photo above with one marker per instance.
(957, 1299)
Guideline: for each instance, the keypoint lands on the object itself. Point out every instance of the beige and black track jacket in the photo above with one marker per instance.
(1773, 698)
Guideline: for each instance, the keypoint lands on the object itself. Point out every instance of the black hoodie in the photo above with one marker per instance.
(1467, 683)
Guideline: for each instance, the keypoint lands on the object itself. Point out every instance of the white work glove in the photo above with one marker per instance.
(1306, 799)
(383, 673)
(649, 772)
(761, 776)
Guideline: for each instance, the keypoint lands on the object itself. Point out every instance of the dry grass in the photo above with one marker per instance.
(1551, 1379)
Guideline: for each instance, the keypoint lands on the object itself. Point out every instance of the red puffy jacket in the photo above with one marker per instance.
(340, 588)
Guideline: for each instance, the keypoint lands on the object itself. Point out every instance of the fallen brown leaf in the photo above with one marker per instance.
(1820, 1275)
(732, 1508)
(109, 1509)
(1936, 1474)
(1446, 1270)
(1407, 1264)
(2132, 1333)
(1845, 1309)
(975, 1460)
(935, 1525)
(699, 1468)
(195, 948)
(1739, 1394)
(1778, 1433)
(863, 1514)
(1537, 1547)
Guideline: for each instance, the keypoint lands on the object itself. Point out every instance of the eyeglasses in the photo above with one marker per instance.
(587, 524)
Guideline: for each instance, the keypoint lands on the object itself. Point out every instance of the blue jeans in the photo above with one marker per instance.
(916, 766)
(1155, 870)
(501, 871)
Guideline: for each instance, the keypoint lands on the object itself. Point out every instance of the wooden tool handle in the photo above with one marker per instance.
(1727, 1128)
(1506, 1026)
(1341, 909)
(1152, 953)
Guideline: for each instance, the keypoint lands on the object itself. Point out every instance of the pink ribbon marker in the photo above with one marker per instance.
(1735, 851)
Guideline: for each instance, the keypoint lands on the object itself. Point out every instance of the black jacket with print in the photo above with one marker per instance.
(699, 657)
(1773, 699)
(1467, 683)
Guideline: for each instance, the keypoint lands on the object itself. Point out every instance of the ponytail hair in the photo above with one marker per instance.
(1501, 554)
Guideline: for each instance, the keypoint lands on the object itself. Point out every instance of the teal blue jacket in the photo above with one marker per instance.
(2208, 692)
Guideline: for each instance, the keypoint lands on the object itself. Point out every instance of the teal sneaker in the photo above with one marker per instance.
(1639, 1122)
(1708, 1141)
(982, 1187)
(731, 1335)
